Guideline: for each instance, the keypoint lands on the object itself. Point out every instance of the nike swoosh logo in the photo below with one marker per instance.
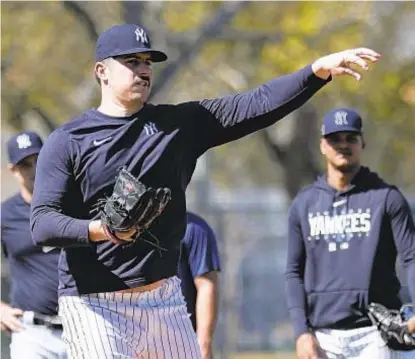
(47, 249)
(100, 142)
(339, 203)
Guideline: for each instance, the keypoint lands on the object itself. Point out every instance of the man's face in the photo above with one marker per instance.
(342, 150)
(129, 77)
(25, 172)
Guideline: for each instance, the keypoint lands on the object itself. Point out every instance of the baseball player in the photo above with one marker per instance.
(31, 317)
(345, 231)
(119, 300)
(198, 271)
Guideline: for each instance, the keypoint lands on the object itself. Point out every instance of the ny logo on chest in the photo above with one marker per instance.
(150, 128)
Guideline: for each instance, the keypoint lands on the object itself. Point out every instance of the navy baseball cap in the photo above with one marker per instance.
(341, 120)
(125, 39)
(22, 145)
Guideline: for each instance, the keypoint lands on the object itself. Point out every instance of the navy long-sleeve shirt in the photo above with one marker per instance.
(342, 251)
(33, 269)
(160, 145)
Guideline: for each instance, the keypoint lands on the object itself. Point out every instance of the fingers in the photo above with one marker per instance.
(11, 323)
(360, 56)
(12, 320)
(126, 236)
(363, 51)
(354, 59)
(17, 312)
(351, 57)
(370, 58)
(347, 71)
(14, 325)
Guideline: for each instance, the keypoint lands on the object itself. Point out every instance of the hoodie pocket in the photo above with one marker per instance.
(337, 308)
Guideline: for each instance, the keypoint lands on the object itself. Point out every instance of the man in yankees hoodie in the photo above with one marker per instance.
(345, 232)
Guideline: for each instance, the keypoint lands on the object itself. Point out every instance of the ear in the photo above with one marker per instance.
(101, 71)
(10, 167)
(363, 142)
(322, 146)
(13, 170)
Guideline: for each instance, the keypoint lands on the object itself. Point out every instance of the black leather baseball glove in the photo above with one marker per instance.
(392, 326)
(132, 206)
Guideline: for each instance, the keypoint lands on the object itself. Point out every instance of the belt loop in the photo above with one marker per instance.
(28, 317)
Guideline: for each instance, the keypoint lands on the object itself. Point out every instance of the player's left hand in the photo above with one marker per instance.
(338, 64)
(132, 207)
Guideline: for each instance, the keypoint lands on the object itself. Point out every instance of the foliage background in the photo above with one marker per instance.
(47, 52)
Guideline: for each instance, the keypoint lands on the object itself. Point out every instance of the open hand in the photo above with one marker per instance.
(338, 64)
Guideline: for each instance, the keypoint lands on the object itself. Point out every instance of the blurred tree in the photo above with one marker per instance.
(269, 39)
(300, 169)
(207, 32)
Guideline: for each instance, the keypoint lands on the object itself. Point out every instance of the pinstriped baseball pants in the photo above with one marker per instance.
(361, 343)
(146, 325)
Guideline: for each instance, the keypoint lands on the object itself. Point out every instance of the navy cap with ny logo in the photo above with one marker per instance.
(23, 145)
(341, 120)
(125, 39)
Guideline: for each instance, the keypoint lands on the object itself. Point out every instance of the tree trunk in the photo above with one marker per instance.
(209, 31)
(297, 156)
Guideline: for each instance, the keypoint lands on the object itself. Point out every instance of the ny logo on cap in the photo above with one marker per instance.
(23, 141)
(340, 118)
(141, 35)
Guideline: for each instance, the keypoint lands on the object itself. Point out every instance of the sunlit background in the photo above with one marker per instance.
(244, 188)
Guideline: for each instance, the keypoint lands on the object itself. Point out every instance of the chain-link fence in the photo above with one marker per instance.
(251, 227)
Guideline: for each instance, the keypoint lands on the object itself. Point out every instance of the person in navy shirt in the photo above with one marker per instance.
(345, 232)
(158, 144)
(198, 270)
(31, 316)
